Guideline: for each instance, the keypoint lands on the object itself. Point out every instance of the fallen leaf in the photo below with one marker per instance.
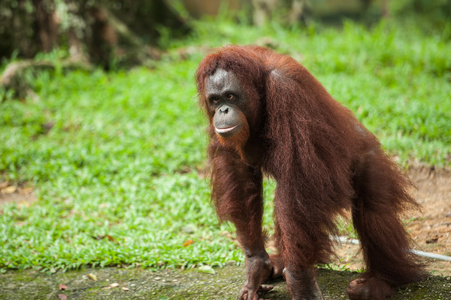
(92, 276)
(9, 189)
(125, 288)
(109, 237)
(114, 285)
(187, 243)
(62, 287)
(62, 297)
(207, 269)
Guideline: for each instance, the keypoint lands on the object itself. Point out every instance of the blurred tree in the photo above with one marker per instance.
(199, 8)
(95, 30)
(433, 12)
(16, 28)
(295, 11)
(46, 21)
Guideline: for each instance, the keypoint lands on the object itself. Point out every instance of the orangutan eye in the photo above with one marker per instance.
(230, 96)
(214, 99)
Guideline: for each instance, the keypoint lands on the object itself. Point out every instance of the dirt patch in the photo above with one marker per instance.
(18, 194)
(431, 229)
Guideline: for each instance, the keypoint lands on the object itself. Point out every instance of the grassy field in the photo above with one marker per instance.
(118, 176)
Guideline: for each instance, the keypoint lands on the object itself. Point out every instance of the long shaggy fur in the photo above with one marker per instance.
(324, 162)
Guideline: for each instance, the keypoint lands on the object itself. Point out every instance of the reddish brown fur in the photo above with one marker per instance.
(324, 161)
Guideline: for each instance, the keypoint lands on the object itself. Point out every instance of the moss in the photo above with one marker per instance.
(177, 284)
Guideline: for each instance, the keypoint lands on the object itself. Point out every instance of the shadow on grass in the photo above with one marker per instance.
(119, 283)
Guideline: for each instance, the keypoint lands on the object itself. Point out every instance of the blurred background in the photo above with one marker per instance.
(102, 143)
(129, 32)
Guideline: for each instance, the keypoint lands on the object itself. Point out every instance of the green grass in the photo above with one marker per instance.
(118, 177)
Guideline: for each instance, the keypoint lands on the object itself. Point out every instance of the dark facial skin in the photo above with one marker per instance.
(225, 96)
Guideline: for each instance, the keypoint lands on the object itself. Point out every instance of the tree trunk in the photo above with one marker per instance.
(47, 26)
